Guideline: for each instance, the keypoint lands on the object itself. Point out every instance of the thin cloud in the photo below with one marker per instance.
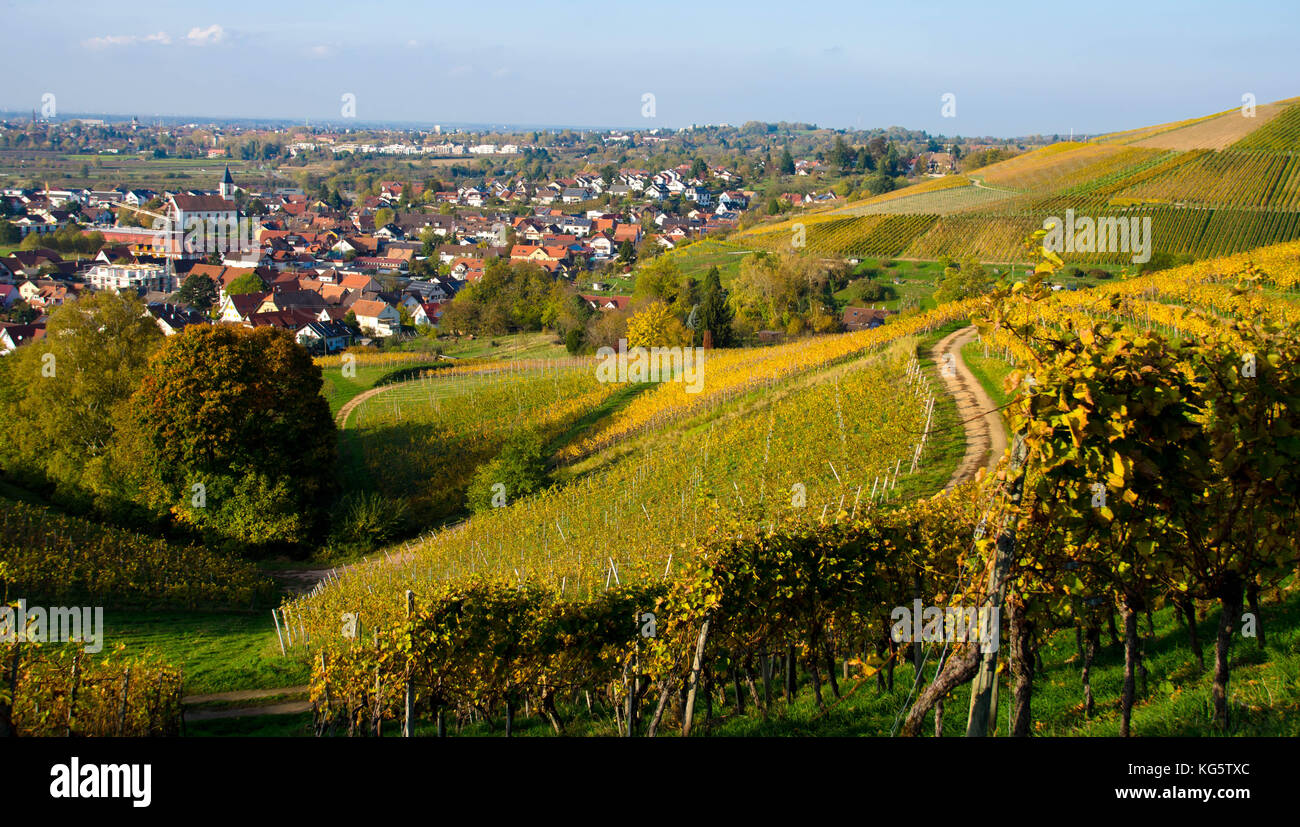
(109, 41)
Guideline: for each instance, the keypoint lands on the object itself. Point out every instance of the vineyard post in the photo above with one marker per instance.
(408, 719)
(279, 636)
(983, 700)
(7, 727)
(694, 681)
(72, 692)
(121, 715)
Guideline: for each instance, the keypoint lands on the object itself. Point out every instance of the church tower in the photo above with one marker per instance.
(227, 188)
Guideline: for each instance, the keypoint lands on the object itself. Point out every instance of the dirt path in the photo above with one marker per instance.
(341, 418)
(986, 440)
(290, 706)
(286, 708)
(245, 695)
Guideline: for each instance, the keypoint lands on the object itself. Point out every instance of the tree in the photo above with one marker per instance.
(198, 291)
(230, 435)
(247, 283)
(573, 340)
(786, 165)
(655, 326)
(715, 311)
(659, 279)
(62, 397)
(964, 281)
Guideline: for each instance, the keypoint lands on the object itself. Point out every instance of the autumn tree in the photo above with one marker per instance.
(654, 325)
(230, 435)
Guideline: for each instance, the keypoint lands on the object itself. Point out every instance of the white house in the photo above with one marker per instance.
(376, 317)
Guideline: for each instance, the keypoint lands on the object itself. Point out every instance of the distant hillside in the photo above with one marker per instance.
(1211, 186)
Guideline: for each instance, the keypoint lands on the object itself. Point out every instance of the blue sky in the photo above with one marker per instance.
(1015, 67)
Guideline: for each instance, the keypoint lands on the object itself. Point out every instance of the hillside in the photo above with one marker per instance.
(681, 504)
(1210, 186)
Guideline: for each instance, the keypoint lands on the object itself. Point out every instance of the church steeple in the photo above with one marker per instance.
(227, 188)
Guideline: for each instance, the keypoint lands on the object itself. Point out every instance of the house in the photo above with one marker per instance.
(288, 300)
(608, 302)
(573, 195)
(136, 278)
(731, 201)
(290, 320)
(601, 246)
(376, 317)
(699, 195)
(361, 283)
(185, 210)
(239, 307)
(325, 336)
(864, 318)
(14, 336)
(627, 232)
(172, 318)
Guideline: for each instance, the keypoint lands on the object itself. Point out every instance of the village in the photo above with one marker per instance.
(336, 276)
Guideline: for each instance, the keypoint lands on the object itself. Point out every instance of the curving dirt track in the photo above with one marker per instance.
(986, 440)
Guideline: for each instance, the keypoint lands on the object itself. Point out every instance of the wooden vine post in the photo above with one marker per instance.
(693, 683)
(983, 696)
(408, 719)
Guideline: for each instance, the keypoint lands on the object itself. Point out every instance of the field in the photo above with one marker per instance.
(20, 167)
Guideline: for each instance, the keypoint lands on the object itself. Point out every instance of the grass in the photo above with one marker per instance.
(219, 652)
(990, 370)
(512, 346)
(696, 259)
(340, 389)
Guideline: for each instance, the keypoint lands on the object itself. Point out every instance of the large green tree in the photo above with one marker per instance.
(198, 291)
(232, 436)
(62, 398)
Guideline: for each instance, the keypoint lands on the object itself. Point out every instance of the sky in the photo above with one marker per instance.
(1012, 68)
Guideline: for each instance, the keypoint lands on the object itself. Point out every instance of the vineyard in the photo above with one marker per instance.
(50, 691)
(69, 560)
(1230, 178)
(1281, 134)
(1212, 186)
(420, 441)
(764, 535)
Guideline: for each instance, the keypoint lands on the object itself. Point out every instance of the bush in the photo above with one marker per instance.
(369, 519)
(874, 291)
(519, 470)
(573, 340)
